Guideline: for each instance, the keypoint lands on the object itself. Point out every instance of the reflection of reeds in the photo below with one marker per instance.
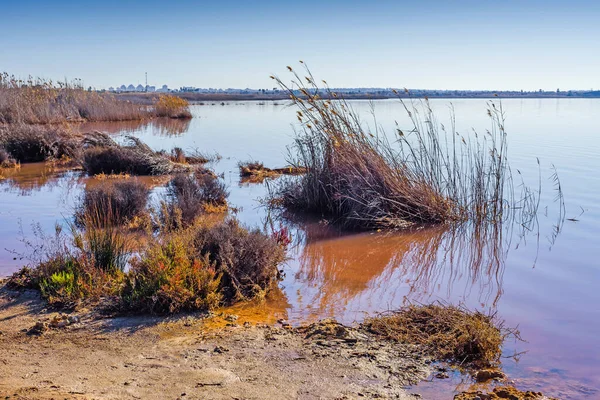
(35, 176)
(157, 126)
(416, 265)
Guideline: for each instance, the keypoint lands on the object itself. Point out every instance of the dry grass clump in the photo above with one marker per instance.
(29, 143)
(87, 265)
(502, 393)
(102, 155)
(256, 172)
(172, 107)
(202, 267)
(122, 199)
(39, 101)
(178, 155)
(189, 196)
(449, 333)
(364, 179)
(247, 260)
(6, 160)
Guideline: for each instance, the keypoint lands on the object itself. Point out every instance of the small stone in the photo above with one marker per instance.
(231, 317)
(485, 375)
(442, 375)
(39, 328)
(220, 349)
(215, 377)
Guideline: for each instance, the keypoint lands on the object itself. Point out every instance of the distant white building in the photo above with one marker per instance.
(122, 88)
(130, 88)
(111, 89)
(139, 88)
(150, 88)
(163, 89)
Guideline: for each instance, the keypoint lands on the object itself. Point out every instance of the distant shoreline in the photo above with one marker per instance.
(221, 97)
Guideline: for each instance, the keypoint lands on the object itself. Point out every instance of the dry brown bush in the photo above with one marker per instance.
(449, 333)
(31, 143)
(122, 199)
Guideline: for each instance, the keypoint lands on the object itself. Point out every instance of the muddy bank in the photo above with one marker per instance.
(148, 357)
(87, 355)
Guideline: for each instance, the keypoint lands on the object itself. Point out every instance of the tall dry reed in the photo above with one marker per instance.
(364, 178)
(42, 101)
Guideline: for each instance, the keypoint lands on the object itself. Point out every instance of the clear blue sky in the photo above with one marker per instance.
(458, 44)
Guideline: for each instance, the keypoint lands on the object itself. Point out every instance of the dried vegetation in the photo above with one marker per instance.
(194, 264)
(256, 172)
(363, 178)
(449, 333)
(40, 101)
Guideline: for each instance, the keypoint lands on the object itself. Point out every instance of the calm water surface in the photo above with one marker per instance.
(546, 285)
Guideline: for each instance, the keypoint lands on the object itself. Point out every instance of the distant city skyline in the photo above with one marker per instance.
(165, 88)
(435, 45)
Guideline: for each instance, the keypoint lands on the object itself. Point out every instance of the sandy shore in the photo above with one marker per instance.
(150, 358)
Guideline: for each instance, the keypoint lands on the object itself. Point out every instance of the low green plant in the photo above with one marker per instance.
(167, 278)
(61, 284)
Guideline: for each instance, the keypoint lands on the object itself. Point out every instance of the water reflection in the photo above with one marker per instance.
(464, 263)
(35, 176)
(158, 127)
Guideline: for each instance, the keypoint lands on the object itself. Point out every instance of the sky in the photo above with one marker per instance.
(421, 44)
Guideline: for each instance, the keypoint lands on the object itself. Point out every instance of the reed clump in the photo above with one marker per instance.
(41, 101)
(172, 107)
(102, 155)
(363, 178)
(33, 143)
(6, 160)
(180, 156)
(190, 196)
(449, 333)
(124, 199)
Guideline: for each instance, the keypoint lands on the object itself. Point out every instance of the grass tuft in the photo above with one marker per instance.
(449, 333)
(102, 155)
(256, 172)
(28, 143)
(191, 196)
(123, 200)
(172, 107)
